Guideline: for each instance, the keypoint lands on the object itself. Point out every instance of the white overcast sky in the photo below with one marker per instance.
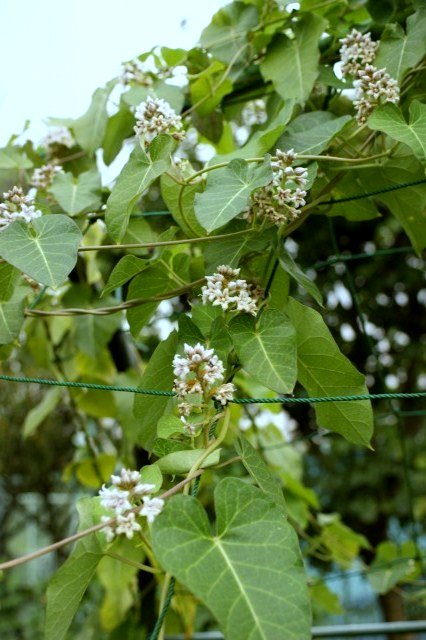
(55, 53)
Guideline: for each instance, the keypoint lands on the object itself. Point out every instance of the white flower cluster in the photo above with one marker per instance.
(281, 200)
(254, 113)
(199, 372)
(226, 290)
(17, 206)
(43, 176)
(59, 136)
(357, 50)
(373, 86)
(123, 499)
(134, 72)
(155, 116)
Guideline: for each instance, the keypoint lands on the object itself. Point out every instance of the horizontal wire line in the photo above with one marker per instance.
(158, 392)
(360, 196)
(361, 256)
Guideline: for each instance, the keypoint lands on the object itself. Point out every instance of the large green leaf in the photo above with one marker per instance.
(70, 582)
(157, 375)
(228, 191)
(399, 51)
(12, 315)
(249, 574)
(389, 118)
(259, 471)
(292, 63)
(324, 371)
(76, 195)
(89, 130)
(226, 34)
(230, 250)
(209, 87)
(310, 133)
(136, 176)
(267, 348)
(46, 250)
(118, 128)
(126, 268)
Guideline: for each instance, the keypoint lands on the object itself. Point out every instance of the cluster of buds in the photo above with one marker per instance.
(357, 50)
(199, 376)
(280, 201)
(133, 72)
(123, 498)
(17, 206)
(226, 290)
(59, 136)
(155, 116)
(254, 113)
(373, 86)
(43, 176)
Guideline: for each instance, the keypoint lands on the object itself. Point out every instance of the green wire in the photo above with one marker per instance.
(157, 392)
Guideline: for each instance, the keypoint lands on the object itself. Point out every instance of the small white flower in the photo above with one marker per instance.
(127, 479)
(142, 488)
(17, 206)
(43, 176)
(225, 289)
(108, 530)
(254, 113)
(155, 116)
(373, 87)
(115, 499)
(151, 508)
(127, 525)
(134, 72)
(224, 393)
(59, 136)
(357, 50)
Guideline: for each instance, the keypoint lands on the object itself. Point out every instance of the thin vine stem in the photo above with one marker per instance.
(10, 564)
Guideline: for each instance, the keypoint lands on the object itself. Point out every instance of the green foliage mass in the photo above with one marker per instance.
(211, 234)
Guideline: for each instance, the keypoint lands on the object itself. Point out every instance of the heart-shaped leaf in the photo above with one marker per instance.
(250, 573)
(46, 250)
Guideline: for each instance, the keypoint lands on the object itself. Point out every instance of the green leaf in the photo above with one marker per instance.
(118, 579)
(93, 332)
(259, 471)
(76, 195)
(398, 51)
(389, 118)
(169, 425)
(311, 133)
(151, 474)
(209, 88)
(180, 202)
(267, 349)
(89, 130)
(324, 371)
(9, 277)
(157, 375)
(292, 63)
(136, 176)
(70, 582)
(391, 565)
(180, 462)
(46, 250)
(226, 34)
(126, 268)
(118, 128)
(263, 138)
(250, 574)
(12, 159)
(12, 315)
(293, 269)
(39, 413)
(228, 191)
(230, 250)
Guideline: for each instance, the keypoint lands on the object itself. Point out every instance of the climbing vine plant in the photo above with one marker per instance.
(277, 115)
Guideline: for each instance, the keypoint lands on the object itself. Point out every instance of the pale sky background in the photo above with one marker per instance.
(54, 53)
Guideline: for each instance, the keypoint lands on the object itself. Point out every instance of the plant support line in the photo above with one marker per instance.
(158, 392)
